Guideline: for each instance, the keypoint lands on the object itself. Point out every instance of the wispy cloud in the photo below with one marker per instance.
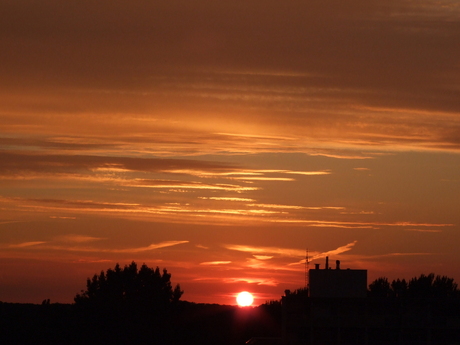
(289, 252)
(67, 243)
(274, 206)
(264, 178)
(153, 246)
(169, 184)
(336, 251)
(252, 280)
(222, 210)
(248, 174)
(333, 252)
(227, 199)
(74, 238)
(17, 161)
(425, 230)
(26, 244)
(263, 257)
(62, 217)
(201, 246)
(214, 263)
(359, 225)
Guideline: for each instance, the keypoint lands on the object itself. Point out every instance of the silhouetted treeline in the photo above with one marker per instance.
(134, 306)
(425, 286)
(423, 310)
(130, 286)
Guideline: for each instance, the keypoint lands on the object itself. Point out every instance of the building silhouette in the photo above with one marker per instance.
(336, 310)
(337, 283)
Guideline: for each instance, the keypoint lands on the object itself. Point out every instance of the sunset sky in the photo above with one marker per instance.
(222, 139)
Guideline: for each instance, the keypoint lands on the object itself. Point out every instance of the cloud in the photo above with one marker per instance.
(170, 184)
(263, 257)
(227, 199)
(318, 255)
(337, 251)
(388, 255)
(213, 263)
(74, 238)
(201, 246)
(153, 246)
(257, 281)
(249, 174)
(264, 178)
(66, 243)
(357, 225)
(298, 207)
(211, 211)
(340, 79)
(289, 252)
(15, 162)
(176, 119)
(26, 244)
(62, 217)
(425, 230)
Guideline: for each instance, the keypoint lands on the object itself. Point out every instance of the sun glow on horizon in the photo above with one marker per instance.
(244, 299)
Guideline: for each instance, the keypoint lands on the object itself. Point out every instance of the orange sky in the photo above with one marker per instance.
(220, 140)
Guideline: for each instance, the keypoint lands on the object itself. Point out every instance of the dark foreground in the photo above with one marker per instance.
(294, 321)
(187, 323)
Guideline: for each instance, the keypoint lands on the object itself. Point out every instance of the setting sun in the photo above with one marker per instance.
(244, 299)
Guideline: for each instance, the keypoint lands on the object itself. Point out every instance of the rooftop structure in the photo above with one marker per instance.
(337, 283)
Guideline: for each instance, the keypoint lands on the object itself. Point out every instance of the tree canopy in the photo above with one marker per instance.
(425, 286)
(130, 285)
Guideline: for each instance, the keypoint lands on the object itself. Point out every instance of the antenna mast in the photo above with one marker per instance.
(307, 266)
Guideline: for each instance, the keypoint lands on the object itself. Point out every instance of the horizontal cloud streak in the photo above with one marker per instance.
(40, 245)
(215, 263)
(337, 251)
(26, 244)
(15, 162)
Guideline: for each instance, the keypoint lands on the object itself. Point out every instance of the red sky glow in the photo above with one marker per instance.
(221, 140)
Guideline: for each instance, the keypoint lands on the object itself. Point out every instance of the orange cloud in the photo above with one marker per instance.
(337, 251)
(227, 199)
(213, 263)
(265, 250)
(73, 238)
(258, 281)
(81, 239)
(263, 257)
(26, 244)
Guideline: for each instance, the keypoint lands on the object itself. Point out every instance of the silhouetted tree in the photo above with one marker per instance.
(425, 286)
(128, 306)
(146, 286)
(421, 287)
(380, 288)
(445, 286)
(399, 288)
(429, 286)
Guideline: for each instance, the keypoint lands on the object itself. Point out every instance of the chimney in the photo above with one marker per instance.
(327, 263)
(316, 266)
(337, 264)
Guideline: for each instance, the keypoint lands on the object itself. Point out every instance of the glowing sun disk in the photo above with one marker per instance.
(244, 299)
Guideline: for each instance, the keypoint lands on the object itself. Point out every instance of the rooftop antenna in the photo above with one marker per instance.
(307, 266)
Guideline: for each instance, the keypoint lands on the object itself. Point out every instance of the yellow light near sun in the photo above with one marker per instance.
(244, 299)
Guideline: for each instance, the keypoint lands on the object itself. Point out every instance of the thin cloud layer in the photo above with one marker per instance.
(56, 246)
(262, 253)
(126, 128)
(354, 73)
